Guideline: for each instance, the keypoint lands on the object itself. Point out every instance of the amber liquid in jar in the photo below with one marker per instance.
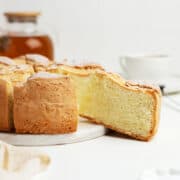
(22, 36)
(14, 46)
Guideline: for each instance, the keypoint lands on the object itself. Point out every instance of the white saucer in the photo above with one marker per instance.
(86, 131)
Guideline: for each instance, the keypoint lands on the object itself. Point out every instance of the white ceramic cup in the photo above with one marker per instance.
(153, 68)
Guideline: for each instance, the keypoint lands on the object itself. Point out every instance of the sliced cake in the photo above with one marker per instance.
(45, 104)
(108, 99)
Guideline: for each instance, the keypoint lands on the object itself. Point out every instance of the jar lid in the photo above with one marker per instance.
(26, 16)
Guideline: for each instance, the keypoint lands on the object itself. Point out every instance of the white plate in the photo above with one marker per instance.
(86, 131)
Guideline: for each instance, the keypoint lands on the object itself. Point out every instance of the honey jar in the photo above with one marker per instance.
(22, 36)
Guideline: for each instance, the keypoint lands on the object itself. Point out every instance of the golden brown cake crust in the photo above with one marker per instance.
(4, 113)
(45, 106)
(84, 67)
(115, 77)
(82, 70)
(136, 85)
(89, 66)
(6, 123)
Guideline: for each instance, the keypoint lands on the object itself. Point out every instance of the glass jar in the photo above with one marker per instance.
(22, 36)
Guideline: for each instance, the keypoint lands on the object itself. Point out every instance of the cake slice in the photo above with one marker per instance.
(45, 104)
(108, 99)
(9, 77)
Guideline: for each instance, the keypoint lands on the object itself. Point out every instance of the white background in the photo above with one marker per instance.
(102, 30)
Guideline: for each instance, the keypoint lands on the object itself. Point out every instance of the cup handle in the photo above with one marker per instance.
(122, 64)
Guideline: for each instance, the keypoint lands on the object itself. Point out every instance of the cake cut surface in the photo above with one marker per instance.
(45, 105)
(124, 109)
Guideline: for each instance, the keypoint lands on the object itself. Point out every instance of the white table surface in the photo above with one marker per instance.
(116, 157)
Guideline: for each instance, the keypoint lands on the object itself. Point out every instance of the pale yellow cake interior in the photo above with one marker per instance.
(109, 103)
(117, 107)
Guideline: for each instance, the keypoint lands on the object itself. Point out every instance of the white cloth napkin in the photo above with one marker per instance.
(20, 163)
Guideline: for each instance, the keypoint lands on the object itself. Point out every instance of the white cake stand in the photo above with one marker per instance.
(86, 131)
